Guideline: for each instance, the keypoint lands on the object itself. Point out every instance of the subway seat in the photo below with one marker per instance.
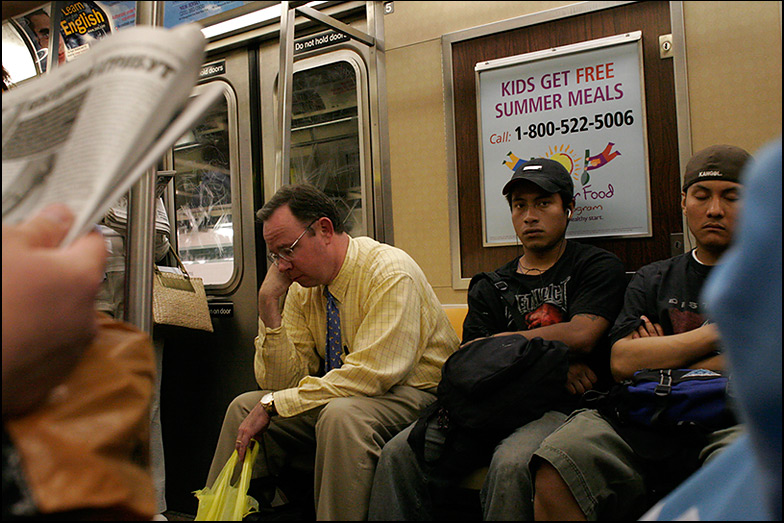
(456, 314)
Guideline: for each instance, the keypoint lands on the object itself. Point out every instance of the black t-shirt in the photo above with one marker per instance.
(667, 292)
(585, 280)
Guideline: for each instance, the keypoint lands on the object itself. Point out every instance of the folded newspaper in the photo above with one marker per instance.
(85, 133)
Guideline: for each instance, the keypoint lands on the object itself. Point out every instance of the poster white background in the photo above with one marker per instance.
(581, 105)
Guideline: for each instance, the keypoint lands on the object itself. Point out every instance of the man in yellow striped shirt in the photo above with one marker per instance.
(394, 337)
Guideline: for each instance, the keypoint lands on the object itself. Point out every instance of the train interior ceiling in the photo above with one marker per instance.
(410, 115)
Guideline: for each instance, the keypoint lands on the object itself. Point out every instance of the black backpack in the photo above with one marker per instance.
(500, 383)
(488, 389)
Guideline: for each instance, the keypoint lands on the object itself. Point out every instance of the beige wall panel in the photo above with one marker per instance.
(733, 53)
(447, 295)
(415, 21)
(418, 158)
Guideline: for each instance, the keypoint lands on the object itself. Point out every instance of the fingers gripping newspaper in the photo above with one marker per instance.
(85, 133)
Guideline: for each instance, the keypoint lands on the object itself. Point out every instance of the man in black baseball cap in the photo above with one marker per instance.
(547, 174)
(541, 198)
(563, 291)
(557, 290)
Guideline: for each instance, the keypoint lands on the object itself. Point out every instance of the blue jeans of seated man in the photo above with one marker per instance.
(401, 486)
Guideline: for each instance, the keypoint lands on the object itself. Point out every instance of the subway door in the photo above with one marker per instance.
(212, 202)
(330, 126)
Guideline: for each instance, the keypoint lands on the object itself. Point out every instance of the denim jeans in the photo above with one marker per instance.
(401, 488)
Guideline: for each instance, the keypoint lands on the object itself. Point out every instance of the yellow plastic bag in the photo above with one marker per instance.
(227, 502)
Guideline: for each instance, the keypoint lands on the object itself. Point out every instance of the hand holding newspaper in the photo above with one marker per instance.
(85, 133)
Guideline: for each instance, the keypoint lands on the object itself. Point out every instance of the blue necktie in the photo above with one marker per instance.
(333, 333)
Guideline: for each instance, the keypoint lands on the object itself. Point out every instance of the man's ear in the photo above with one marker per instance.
(570, 210)
(683, 202)
(326, 227)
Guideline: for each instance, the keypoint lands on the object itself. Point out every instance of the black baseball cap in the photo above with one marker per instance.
(717, 162)
(547, 174)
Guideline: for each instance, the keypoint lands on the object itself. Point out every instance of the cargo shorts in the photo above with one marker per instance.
(602, 471)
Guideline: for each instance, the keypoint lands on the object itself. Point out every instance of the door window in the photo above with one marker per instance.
(19, 56)
(326, 142)
(203, 195)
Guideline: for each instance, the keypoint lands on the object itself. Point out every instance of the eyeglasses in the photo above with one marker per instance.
(287, 253)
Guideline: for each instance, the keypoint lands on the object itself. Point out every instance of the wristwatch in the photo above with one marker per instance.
(268, 402)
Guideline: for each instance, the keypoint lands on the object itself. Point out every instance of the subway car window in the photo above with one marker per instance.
(326, 148)
(19, 58)
(203, 196)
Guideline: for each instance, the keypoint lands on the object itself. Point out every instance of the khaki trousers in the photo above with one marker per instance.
(341, 440)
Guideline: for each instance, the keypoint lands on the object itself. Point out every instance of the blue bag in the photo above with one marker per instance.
(670, 398)
(666, 417)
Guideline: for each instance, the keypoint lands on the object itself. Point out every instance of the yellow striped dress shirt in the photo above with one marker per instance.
(394, 332)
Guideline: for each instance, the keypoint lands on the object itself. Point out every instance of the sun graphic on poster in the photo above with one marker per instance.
(565, 155)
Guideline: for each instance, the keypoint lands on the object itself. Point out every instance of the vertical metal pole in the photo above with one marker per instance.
(53, 56)
(141, 232)
(140, 248)
(382, 190)
(285, 77)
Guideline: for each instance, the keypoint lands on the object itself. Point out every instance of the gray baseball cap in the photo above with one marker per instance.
(717, 162)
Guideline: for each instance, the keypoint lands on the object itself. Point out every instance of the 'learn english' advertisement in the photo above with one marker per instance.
(583, 106)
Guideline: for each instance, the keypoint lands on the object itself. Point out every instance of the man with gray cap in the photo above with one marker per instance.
(561, 290)
(587, 469)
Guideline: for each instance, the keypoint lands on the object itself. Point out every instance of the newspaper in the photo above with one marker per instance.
(85, 133)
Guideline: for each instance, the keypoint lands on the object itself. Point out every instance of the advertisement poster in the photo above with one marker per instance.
(583, 106)
(80, 24)
(122, 13)
(176, 13)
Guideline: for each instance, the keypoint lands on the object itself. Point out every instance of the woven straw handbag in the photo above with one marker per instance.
(179, 299)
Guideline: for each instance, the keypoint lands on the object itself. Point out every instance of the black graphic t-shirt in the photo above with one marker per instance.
(585, 280)
(667, 292)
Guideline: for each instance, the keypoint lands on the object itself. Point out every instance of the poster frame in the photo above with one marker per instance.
(558, 52)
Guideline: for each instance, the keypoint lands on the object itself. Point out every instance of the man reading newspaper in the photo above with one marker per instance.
(74, 140)
(84, 133)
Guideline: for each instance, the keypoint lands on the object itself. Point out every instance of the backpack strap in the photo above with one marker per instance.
(506, 295)
(662, 393)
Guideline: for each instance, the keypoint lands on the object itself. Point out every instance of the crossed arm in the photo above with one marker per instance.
(581, 334)
(648, 348)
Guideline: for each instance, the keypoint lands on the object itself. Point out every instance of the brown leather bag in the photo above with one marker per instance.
(85, 450)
